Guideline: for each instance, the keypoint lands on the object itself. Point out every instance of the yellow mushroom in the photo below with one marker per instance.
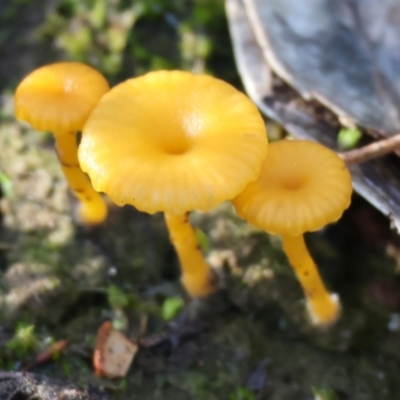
(58, 98)
(174, 141)
(302, 187)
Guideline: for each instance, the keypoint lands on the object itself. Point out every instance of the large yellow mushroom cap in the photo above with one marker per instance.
(173, 141)
(59, 97)
(302, 187)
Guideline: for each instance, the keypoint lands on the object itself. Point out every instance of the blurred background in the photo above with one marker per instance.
(120, 38)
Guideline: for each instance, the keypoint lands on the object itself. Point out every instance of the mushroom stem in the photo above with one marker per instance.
(323, 307)
(197, 276)
(92, 208)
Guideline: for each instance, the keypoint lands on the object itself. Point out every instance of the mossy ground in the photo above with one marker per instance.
(60, 280)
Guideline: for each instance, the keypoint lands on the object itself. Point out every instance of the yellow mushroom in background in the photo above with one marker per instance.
(58, 98)
(302, 187)
(173, 141)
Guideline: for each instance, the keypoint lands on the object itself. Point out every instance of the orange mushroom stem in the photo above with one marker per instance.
(183, 142)
(92, 208)
(323, 307)
(302, 187)
(197, 277)
(59, 98)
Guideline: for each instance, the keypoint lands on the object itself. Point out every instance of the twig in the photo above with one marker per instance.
(371, 151)
(144, 320)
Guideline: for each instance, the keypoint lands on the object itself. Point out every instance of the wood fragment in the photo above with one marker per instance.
(114, 352)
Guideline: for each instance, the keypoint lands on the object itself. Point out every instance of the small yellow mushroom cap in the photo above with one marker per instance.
(173, 141)
(302, 187)
(59, 97)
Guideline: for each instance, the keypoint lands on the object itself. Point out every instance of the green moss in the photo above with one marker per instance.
(242, 393)
(24, 340)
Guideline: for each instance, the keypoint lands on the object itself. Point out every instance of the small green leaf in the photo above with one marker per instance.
(6, 185)
(242, 393)
(116, 297)
(23, 341)
(202, 239)
(323, 394)
(97, 14)
(124, 384)
(66, 366)
(348, 138)
(171, 307)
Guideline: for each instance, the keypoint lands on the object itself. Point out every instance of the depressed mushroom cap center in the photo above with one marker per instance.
(178, 147)
(178, 134)
(293, 183)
